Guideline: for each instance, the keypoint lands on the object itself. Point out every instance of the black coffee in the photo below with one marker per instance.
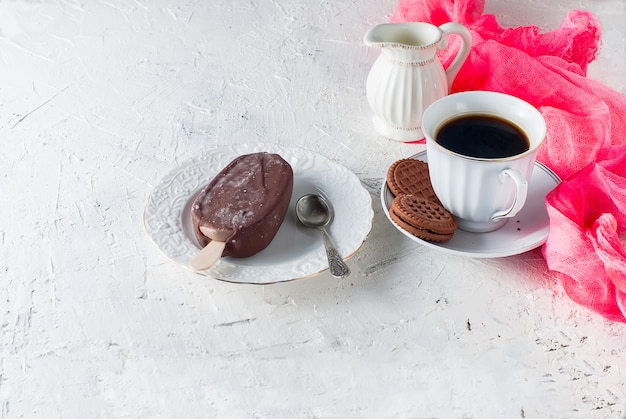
(483, 136)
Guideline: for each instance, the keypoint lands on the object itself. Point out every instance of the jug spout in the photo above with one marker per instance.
(407, 34)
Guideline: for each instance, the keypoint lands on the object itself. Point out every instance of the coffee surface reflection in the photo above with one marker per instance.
(483, 136)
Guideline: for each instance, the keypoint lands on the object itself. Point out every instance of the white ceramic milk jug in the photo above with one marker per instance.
(408, 76)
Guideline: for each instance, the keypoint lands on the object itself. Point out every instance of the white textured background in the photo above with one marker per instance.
(100, 99)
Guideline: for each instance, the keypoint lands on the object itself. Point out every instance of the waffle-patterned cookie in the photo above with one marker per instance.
(423, 218)
(410, 177)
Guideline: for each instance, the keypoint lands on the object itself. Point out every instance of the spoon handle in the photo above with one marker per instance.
(338, 267)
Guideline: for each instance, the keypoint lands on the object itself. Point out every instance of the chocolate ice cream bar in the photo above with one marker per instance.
(245, 204)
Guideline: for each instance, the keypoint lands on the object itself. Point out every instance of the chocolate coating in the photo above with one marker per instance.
(245, 204)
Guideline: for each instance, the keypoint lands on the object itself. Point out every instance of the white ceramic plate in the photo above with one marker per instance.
(296, 251)
(524, 232)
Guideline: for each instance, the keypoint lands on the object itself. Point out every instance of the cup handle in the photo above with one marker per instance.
(521, 191)
(466, 44)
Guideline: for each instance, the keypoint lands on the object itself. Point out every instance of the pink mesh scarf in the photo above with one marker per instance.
(585, 144)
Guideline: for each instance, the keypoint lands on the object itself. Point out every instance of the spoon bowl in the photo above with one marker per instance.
(315, 211)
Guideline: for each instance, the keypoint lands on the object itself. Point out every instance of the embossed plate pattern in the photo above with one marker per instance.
(296, 251)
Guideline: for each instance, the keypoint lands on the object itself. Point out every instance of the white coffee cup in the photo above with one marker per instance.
(482, 193)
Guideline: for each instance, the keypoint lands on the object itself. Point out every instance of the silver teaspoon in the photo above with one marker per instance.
(316, 212)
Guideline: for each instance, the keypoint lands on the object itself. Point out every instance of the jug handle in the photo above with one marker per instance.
(466, 44)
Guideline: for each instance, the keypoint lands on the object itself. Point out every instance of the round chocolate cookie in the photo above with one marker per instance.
(410, 177)
(391, 183)
(423, 218)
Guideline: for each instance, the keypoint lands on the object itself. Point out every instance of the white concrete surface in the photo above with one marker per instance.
(100, 99)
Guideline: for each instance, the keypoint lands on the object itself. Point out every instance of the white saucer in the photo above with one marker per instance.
(526, 231)
(296, 251)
